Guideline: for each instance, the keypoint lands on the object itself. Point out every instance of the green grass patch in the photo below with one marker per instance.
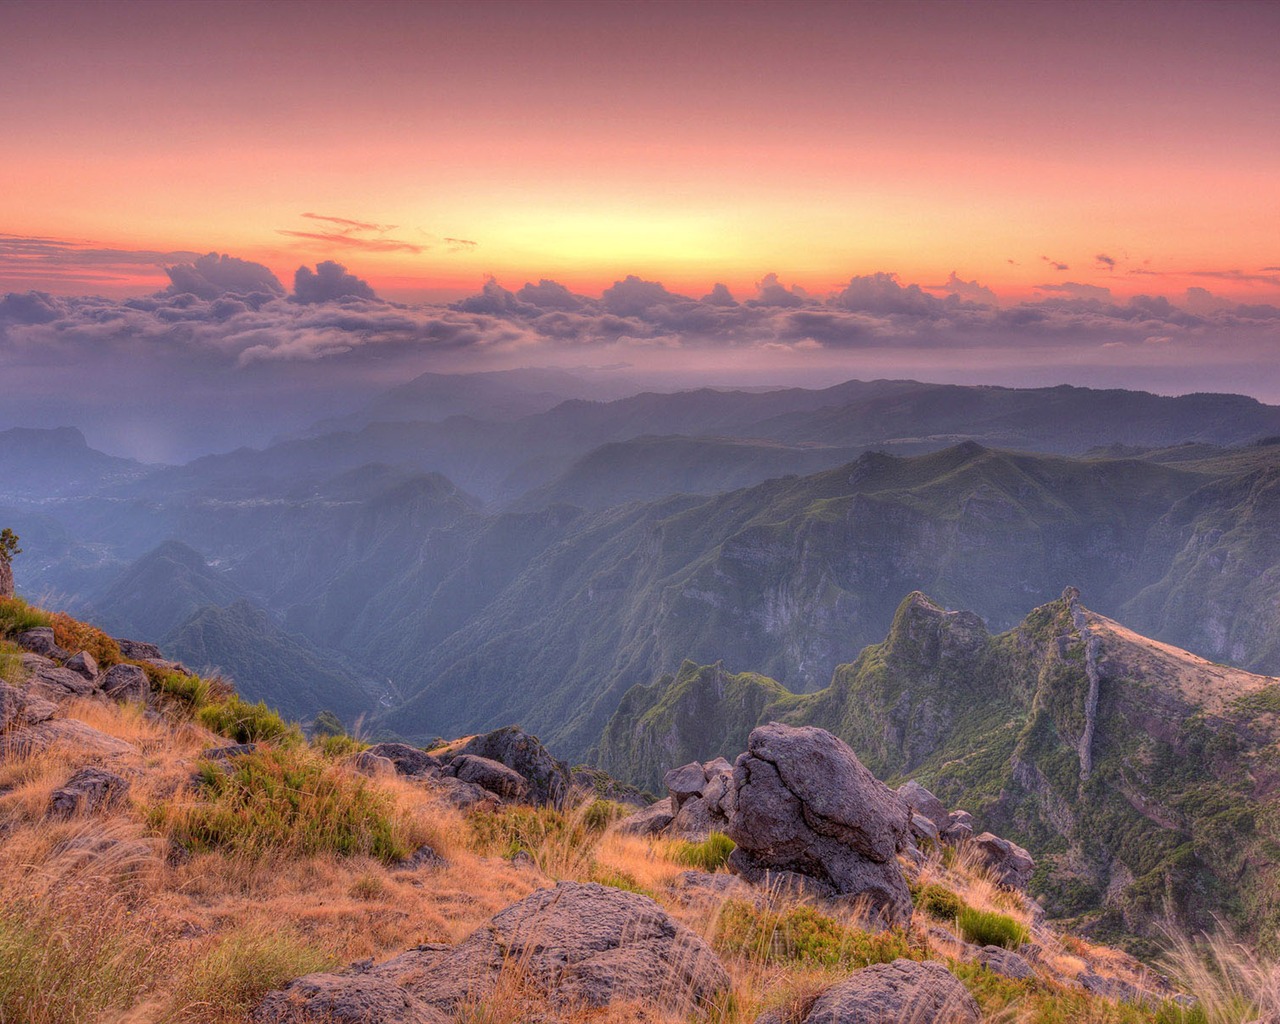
(337, 747)
(987, 928)
(11, 670)
(223, 985)
(243, 722)
(287, 800)
(801, 935)
(709, 855)
(599, 814)
(1032, 1002)
(939, 902)
(16, 616)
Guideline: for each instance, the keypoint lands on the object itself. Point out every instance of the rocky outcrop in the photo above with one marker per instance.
(1008, 862)
(921, 993)
(488, 774)
(807, 812)
(408, 761)
(920, 799)
(577, 945)
(89, 790)
(125, 683)
(651, 821)
(84, 663)
(1005, 961)
(548, 778)
(40, 641)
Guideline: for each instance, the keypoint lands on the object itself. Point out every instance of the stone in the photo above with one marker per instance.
(89, 790)
(83, 663)
(690, 887)
(492, 775)
(650, 821)
(923, 828)
(68, 734)
(373, 765)
(40, 641)
(126, 683)
(920, 799)
(581, 946)
(921, 993)
(424, 856)
(13, 706)
(807, 813)
(1005, 962)
(137, 650)
(229, 753)
(53, 682)
(1008, 862)
(959, 828)
(465, 796)
(409, 761)
(549, 779)
(684, 783)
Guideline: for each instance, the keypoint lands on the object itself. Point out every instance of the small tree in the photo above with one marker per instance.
(8, 545)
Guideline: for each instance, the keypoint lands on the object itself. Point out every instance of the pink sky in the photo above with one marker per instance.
(426, 146)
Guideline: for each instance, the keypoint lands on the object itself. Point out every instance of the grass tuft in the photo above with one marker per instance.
(709, 855)
(987, 928)
(802, 935)
(73, 636)
(16, 616)
(243, 722)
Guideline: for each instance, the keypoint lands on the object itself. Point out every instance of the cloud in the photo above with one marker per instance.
(970, 291)
(770, 292)
(329, 283)
(1055, 264)
(460, 244)
(882, 294)
(551, 295)
(1075, 290)
(212, 276)
(347, 233)
(41, 259)
(632, 296)
(719, 296)
(347, 225)
(1105, 261)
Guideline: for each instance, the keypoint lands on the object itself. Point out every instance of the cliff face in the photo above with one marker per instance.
(1136, 773)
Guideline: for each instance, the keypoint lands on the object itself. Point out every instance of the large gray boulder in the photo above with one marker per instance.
(806, 811)
(408, 760)
(66, 733)
(53, 682)
(13, 704)
(684, 782)
(137, 650)
(549, 779)
(492, 775)
(577, 945)
(84, 663)
(89, 790)
(920, 799)
(906, 991)
(40, 641)
(650, 821)
(1008, 862)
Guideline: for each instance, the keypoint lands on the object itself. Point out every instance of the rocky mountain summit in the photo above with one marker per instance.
(170, 852)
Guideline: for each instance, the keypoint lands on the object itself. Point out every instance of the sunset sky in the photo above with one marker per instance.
(1024, 147)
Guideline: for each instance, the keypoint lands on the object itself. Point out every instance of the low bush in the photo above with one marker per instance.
(221, 986)
(987, 928)
(939, 902)
(16, 616)
(709, 855)
(243, 722)
(72, 635)
(599, 814)
(802, 935)
(189, 693)
(337, 747)
(287, 800)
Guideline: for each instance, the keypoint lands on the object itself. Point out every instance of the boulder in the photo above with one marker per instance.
(684, 782)
(83, 663)
(1008, 862)
(577, 945)
(87, 791)
(13, 706)
(921, 993)
(466, 796)
(373, 765)
(648, 822)
(1005, 962)
(549, 779)
(408, 760)
(126, 683)
(923, 827)
(68, 734)
(225, 755)
(959, 828)
(920, 799)
(808, 813)
(40, 641)
(53, 682)
(492, 775)
(136, 650)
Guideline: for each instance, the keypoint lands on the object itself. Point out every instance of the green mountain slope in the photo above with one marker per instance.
(1136, 773)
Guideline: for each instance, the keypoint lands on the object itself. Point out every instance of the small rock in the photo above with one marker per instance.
(648, 822)
(137, 650)
(906, 991)
(65, 732)
(373, 765)
(87, 791)
(40, 641)
(125, 683)
(920, 799)
(423, 857)
(923, 827)
(1005, 962)
(13, 705)
(53, 682)
(85, 664)
(466, 796)
(228, 753)
(684, 782)
(492, 775)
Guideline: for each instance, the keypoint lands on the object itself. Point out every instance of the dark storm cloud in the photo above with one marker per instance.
(328, 283)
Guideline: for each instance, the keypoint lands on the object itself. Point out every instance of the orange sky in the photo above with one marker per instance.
(687, 143)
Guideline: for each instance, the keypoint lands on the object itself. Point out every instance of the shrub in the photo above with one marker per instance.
(987, 928)
(599, 814)
(16, 616)
(244, 965)
(560, 844)
(621, 880)
(802, 935)
(243, 722)
(939, 902)
(337, 747)
(73, 635)
(709, 855)
(287, 800)
(10, 663)
(190, 693)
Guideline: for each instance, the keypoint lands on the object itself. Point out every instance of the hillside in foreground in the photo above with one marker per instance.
(169, 852)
